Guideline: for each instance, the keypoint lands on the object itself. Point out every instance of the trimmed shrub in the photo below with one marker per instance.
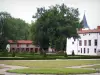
(60, 53)
(13, 54)
(65, 54)
(5, 53)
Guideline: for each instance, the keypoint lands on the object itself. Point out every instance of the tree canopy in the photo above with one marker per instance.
(54, 25)
(11, 29)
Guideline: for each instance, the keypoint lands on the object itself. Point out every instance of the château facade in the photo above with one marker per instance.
(87, 44)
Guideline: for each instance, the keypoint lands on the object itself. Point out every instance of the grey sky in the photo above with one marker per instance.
(24, 9)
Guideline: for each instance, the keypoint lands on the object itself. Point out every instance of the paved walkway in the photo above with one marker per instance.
(83, 66)
(10, 67)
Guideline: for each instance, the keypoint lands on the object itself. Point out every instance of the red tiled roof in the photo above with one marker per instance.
(89, 31)
(21, 41)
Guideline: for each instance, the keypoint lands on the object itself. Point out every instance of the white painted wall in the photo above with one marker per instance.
(8, 47)
(13, 45)
(98, 48)
(71, 45)
(76, 47)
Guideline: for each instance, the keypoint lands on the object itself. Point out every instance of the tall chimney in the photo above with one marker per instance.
(98, 27)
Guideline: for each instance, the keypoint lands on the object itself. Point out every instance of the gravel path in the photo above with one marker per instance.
(83, 66)
(10, 67)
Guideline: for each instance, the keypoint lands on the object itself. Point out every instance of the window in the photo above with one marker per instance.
(89, 42)
(98, 50)
(78, 51)
(88, 50)
(36, 50)
(74, 39)
(27, 49)
(95, 42)
(80, 42)
(17, 45)
(94, 50)
(13, 48)
(27, 45)
(84, 34)
(85, 42)
(72, 42)
(31, 48)
(22, 48)
(81, 50)
(84, 50)
(17, 48)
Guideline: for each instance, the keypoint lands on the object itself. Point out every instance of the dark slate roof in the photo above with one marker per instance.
(84, 22)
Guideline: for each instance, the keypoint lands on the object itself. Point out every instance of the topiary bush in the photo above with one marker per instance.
(60, 53)
(65, 54)
(5, 53)
(13, 54)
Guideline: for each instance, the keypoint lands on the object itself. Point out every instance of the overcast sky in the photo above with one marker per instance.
(24, 9)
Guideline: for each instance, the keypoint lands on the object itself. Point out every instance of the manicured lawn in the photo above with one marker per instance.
(52, 71)
(50, 66)
(95, 67)
(1, 67)
(49, 63)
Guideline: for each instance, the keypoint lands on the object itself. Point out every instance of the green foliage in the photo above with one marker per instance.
(41, 57)
(58, 71)
(60, 52)
(4, 53)
(12, 29)
(13, 54)
(65, 54)
(54, 25)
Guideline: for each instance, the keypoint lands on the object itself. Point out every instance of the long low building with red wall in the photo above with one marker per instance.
(23, 46)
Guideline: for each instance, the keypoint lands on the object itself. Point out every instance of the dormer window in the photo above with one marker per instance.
(74, 39)
(72, 42)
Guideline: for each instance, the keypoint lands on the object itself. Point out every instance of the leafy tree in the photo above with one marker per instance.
(54, 25)
(3, 29)
(11, 29)
(21, 29)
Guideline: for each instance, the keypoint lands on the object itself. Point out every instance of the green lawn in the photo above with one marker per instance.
(52, 71)
(49, 63)
(1, 67)
(95, 67)
(50, 66)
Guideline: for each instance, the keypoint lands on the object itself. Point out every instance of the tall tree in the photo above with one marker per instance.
(54, 25)
(3, 29)
(12, 29)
